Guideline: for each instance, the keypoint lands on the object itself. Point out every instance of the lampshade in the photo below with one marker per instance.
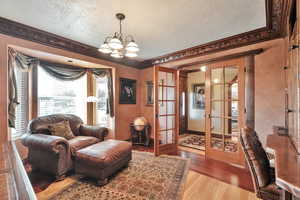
(132, 47)
(104, 48)
(130, 54)
(203, 68)
(115, 43)
(91, 99)
(116, 54)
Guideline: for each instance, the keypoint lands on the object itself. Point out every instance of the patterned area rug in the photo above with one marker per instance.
(146, 178)
(198, 142)
(193, 141)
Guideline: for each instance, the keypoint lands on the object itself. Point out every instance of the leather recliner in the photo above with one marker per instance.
(54, 154)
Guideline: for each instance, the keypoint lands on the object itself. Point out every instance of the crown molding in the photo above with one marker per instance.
(276, 15)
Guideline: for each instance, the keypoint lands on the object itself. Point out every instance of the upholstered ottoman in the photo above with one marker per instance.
(102, 159)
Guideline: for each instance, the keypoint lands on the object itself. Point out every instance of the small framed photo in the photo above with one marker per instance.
(199, 96)
(127, 91)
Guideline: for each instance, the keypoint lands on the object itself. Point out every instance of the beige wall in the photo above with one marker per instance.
(196, 117)
(146, 110)
(269, 82)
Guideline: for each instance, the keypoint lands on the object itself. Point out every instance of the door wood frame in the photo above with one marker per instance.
(167, 148)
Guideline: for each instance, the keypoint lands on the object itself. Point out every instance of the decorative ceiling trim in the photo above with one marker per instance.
(277, 12)
(221, 58)
(276, 16)
(18, 30)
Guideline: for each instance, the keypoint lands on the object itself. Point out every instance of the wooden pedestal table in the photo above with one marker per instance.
(287, 164)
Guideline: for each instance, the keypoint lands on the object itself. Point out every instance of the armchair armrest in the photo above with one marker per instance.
(95, 131)
(48, 143)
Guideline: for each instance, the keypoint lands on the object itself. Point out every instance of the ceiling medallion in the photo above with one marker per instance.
(119, 45)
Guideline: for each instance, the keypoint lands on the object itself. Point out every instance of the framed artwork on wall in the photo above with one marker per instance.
(199, 96)
(127, 91)
(150, 93)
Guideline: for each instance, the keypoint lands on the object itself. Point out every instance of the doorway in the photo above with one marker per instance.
(213, 112)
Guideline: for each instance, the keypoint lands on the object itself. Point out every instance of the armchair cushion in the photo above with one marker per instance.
(48, 143)
(80, 142)
(61, 129)
(94, 131)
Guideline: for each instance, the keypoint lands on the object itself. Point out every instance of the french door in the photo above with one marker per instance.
(166, 110)
(225, 88)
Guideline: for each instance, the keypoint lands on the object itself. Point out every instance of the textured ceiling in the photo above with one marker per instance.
(159, 26)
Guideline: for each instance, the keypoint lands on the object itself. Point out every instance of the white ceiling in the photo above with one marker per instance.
(159, 26)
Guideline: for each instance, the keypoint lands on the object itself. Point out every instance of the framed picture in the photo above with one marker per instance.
(150, 93)
(127, 91)
(199, 96)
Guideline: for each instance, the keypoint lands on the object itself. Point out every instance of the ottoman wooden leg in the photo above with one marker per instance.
(102, 182)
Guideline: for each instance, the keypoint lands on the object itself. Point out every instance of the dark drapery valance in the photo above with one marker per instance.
(60, 71)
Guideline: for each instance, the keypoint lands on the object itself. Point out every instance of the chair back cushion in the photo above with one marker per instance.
(256, 158)
(40, 125)
(61, 129)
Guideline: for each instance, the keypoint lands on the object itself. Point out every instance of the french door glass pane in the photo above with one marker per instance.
(231, 127)
(217, 125)
(162, 122)
(230, 144)
(170, 93)
(231, 74)
(217, 76)
(217, 92)
(170, 79)
(171, 122)
(162, 78)
(170, 107)
(162, 108)
(216, 141)
(217, 108)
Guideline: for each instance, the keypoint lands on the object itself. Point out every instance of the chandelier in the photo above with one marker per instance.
(119, 45)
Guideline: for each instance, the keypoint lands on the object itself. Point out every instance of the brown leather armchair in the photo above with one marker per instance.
(263, 175)
(53, 154)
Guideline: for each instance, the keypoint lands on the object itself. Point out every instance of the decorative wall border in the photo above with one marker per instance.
(276, 15)
(18, 30)
(277, 12)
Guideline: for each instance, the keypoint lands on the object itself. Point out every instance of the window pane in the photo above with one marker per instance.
(57, 96)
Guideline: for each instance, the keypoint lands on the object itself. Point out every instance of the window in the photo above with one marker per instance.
(102, 116)
(57, 96)
(22, 108)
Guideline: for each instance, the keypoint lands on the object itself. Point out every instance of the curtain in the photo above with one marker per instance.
(60, 71)
(100, 73)
(24, 63)
(63, 72)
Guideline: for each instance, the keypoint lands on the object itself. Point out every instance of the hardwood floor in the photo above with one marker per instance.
(216, 169)
(199, 187)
